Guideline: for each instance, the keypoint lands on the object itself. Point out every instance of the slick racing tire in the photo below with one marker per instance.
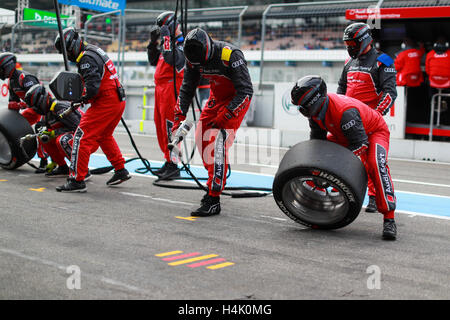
(14, 126)
(320, 184)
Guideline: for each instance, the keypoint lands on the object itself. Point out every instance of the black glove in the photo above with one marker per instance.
(154, 33)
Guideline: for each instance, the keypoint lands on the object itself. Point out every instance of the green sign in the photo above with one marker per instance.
(45, 19)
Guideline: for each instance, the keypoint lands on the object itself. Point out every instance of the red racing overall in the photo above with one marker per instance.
(363, 130)
(98, 123)
(231, 91)
(165, 98)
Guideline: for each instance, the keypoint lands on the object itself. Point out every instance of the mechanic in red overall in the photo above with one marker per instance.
(106, 95)
(57, 136)
(231, 91)
(437, 63)
(407, 64)
(19, 82)
(369, 76)
(354, 125)
(161, 55)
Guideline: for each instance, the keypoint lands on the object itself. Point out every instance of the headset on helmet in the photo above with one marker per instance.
(74, 43)
(38, 99)
(7, 64)
(357, 38)
(198, 47)
(309, 94)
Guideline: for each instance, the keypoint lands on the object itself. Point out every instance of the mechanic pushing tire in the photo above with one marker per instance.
(320, 184)
(14, 126)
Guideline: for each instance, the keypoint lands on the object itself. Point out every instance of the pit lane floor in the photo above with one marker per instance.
(138, 241)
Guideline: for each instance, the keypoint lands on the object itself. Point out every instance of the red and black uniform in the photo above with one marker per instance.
(407, 64)
(350, 123)
(61, 146)
(437, 66)
(231, 91)
(371, 78)
(163, 58)
(102, 90)
(19, 83)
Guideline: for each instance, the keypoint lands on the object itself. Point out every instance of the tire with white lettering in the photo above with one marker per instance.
(13, 126)
(320, 184)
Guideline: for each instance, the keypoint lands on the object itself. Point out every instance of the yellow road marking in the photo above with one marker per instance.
(38, 189)
(3, 180)
(187, 218)
(164, 254)
(176, 263)
(220, 265)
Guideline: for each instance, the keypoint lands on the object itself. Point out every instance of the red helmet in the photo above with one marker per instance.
(165, 18)
(309, 94)
(357, 38)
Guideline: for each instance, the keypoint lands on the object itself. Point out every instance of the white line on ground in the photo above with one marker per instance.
(64, 268)
(423, 183)
(155, 199)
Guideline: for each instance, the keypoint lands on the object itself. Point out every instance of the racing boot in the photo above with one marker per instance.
(72, 186)
(389, 229)
(210, 206)
(372, 205)
(171, 172)
(60, 171)
(42, 166)
(163, 169)
(119, 177)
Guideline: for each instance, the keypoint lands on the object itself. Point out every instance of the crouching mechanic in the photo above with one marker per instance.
(369, 76)
(19, 82)
(106, 95)
(352, 124)
(225, 67)
(161, 55)
(58, 134)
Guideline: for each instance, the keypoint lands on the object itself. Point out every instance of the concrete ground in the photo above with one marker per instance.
(138, 241)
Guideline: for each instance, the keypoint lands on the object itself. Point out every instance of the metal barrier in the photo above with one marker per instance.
(433, 109)
(312, 25)
(44, 29)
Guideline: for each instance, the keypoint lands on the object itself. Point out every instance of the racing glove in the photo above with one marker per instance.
(223, 117)
(179, 117)
(155, 32)
(361, 153)
(13, 105)
(47, 135)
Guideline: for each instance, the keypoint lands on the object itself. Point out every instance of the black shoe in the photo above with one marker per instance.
(58, 172)
(210, 206)
(161, 170)
(171, 172)
(389, 229)
(119, 177)
(372, 205)
(72, 186)
(42, 166)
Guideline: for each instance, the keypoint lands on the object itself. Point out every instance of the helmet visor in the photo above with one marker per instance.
(194, 53)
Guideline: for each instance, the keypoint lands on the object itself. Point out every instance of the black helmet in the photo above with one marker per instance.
(441, 47)
(357, 38)
(38, 99)
(198, 47)
(74, 43)
(165, 18)
(310, 94)
(7, 64)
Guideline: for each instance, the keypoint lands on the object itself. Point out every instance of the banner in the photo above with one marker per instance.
(45, 18)
(97, 5)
